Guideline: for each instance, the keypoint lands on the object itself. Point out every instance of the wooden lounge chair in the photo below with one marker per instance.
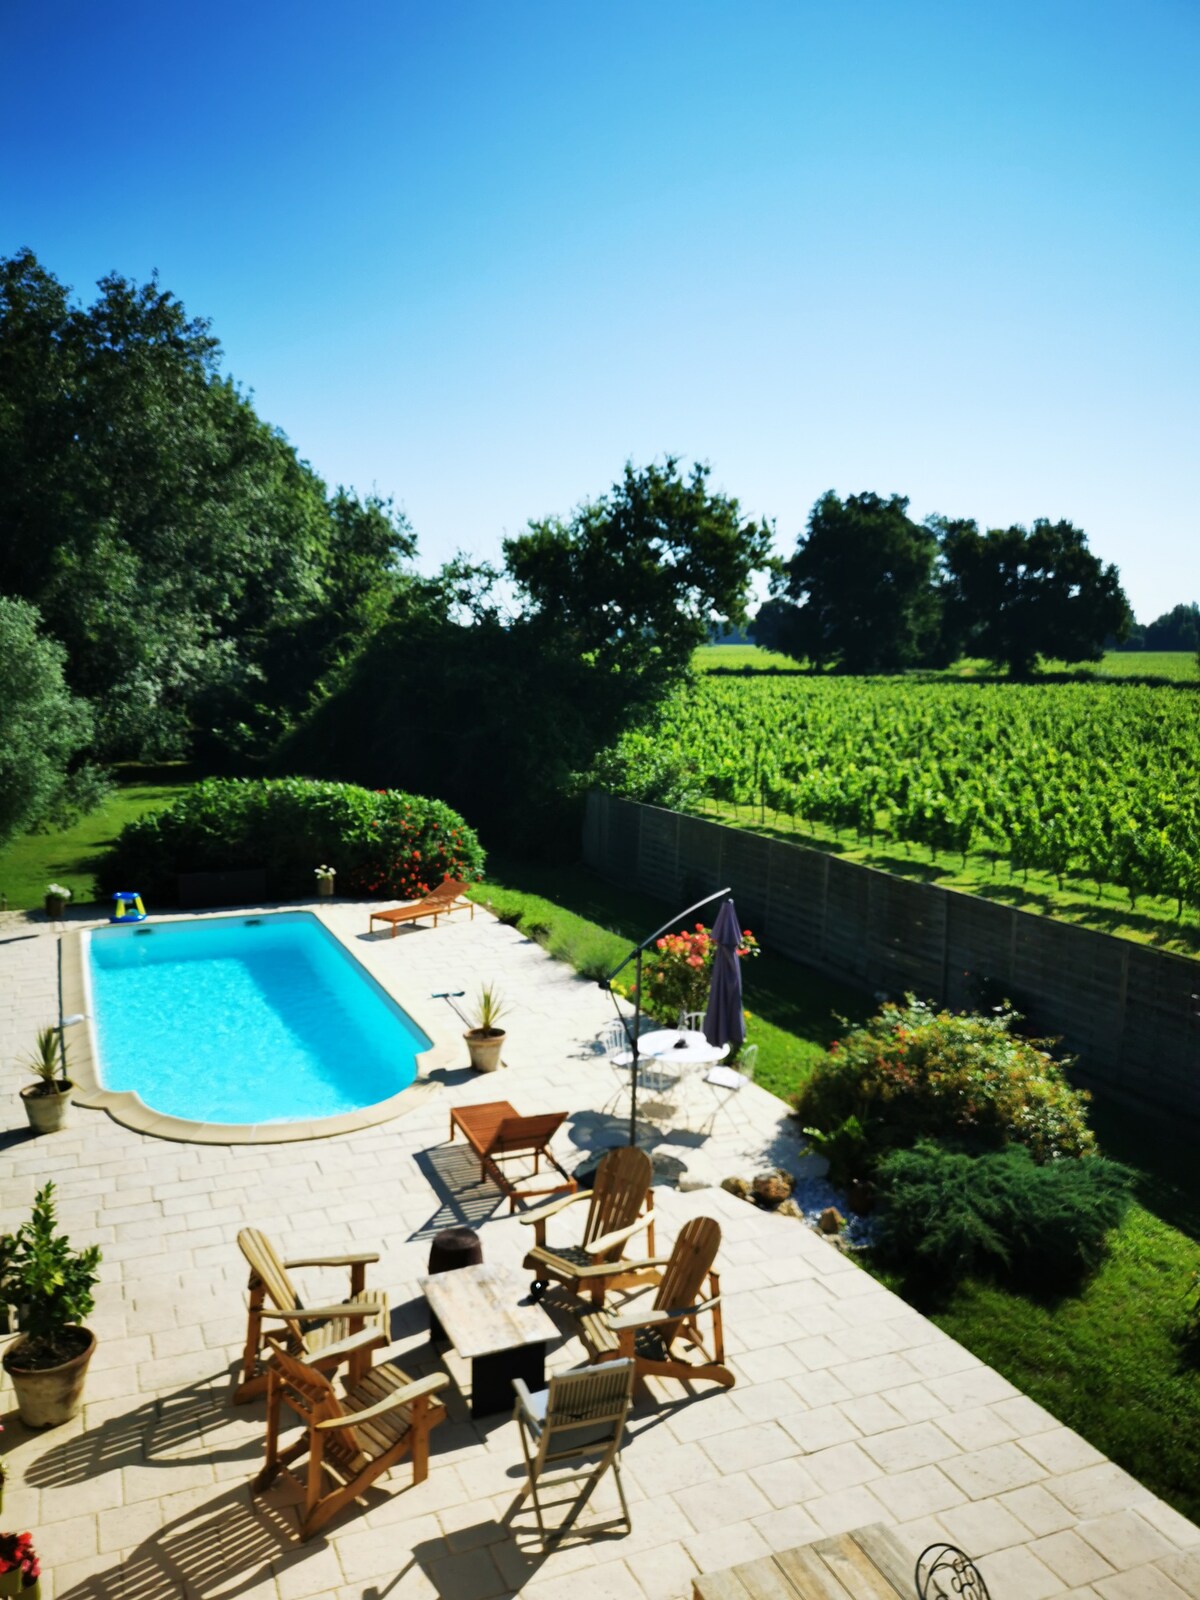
(352, 1441)
(580, 1414)
(498, 1134)
(615, 1212)
(651, 1337)
(324, 1335)
(449, 895)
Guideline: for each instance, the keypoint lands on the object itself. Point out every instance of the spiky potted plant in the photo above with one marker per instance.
(484, 1039)
(50, 1286)
(47, 1100)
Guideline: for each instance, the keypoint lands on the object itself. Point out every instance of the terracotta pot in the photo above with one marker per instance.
(47, 1396)
(485, 1046)
(47, 1113)
(324, 888)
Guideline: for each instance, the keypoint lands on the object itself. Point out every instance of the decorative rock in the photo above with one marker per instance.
(690, 1185)
(789, 1208)
(737, 1186)
(771, 1189)
(831, 1220)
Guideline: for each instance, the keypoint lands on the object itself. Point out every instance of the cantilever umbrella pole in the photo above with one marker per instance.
(636, 955)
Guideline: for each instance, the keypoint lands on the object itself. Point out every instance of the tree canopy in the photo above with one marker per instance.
(1012, 594)
(858, 592)
(503, 713)
(196, 570)
(43, 727)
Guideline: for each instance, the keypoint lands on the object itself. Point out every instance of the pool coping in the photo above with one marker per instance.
(128, 1108)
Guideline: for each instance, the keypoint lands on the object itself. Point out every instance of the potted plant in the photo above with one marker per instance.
(57, 895)
(50, 1285)
(484, 1039)
(19, 1567)
(325, 877)
(46, 1101)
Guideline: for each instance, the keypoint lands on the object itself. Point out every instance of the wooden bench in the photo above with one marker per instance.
(868, 1564)
(497, 1134)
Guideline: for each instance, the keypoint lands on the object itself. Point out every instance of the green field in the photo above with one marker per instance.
(1175, 666)
(69, 855)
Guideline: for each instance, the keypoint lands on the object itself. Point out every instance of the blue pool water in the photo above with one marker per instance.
(245, 1019)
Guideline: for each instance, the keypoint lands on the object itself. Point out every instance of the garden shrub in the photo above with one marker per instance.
(381, 842)
(946, 1214)
(677, 973)
(912, 1072)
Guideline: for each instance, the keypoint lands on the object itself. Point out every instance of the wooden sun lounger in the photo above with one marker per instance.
(497, 1133)
(449, 895)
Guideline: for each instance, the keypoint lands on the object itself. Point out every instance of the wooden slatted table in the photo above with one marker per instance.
(490, 1320)
(868, 1564)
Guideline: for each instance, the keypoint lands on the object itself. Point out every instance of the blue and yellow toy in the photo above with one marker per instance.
(127, 907)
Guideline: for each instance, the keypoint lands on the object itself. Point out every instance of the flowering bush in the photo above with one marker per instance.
(18, 1555)
(677, 976)
(912, 1072)
(385, 842)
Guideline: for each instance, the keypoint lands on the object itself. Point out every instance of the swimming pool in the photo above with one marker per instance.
(245, 1020)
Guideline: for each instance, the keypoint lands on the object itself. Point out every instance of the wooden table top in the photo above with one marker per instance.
(868, 1564)
(486, 1308)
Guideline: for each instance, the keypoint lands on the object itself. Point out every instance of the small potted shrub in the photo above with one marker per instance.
(484, 1039)
(19, 1567)
(50, 1285)
(57, 896)
(47, 1100)
(325, 877)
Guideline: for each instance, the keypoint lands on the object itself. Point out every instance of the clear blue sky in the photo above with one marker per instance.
(476, 255)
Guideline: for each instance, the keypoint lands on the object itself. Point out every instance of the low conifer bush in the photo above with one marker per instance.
(947, 1214)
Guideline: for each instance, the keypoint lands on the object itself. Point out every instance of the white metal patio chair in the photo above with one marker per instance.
(727, 1081)
(580, 1414)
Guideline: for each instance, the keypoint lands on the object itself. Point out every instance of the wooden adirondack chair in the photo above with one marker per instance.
(651, 1337)
(352, 1441)
(324, 1335)
(596, 1264)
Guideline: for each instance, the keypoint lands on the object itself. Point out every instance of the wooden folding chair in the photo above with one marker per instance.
(581, 1413)
(324, 1335)
(615, 1213)
(652, 1338)
(352, 1441)
(499, 1135)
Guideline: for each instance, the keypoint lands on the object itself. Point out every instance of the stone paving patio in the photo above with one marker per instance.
(849, 1408)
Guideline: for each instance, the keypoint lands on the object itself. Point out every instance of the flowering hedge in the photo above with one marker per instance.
(912, 1072)
(378, 841)
(676, 976)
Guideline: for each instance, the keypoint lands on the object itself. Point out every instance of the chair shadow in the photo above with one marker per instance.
(465, 1199)
(220, 1549)
(173, 1430)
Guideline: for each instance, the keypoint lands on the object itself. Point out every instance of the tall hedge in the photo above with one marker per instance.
(381, 842)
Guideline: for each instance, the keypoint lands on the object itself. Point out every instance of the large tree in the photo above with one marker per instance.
(43, 727)
(858, 591)
(172, 540)
(1012, 594)
(501, 708)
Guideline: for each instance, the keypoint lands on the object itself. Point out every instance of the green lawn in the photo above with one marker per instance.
(69, 855)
